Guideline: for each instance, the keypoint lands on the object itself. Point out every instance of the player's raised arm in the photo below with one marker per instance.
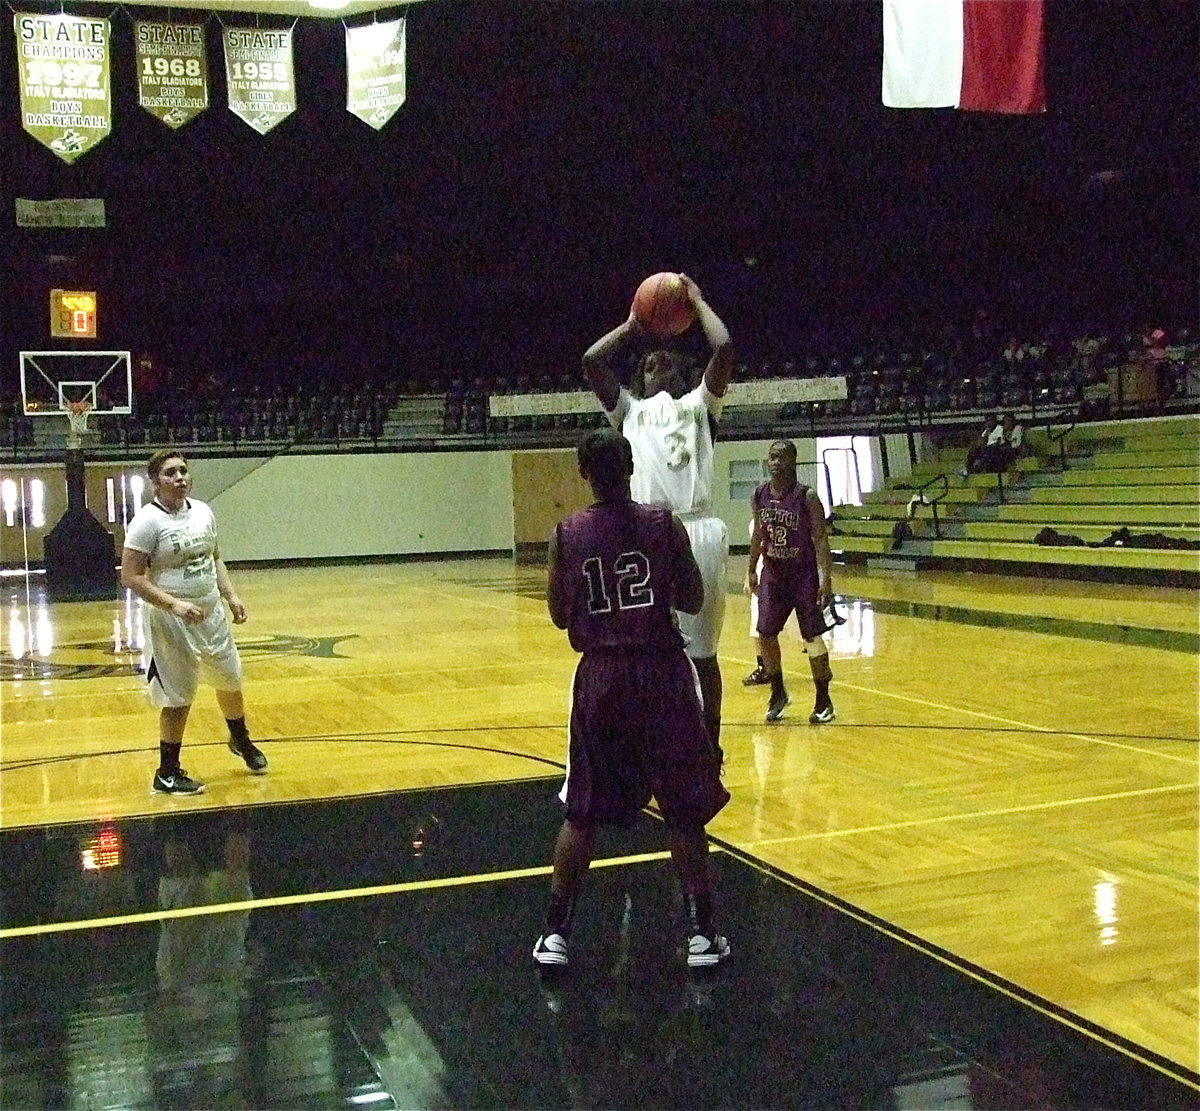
(597, 363)
(720, 362)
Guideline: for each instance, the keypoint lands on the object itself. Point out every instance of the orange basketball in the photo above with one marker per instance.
(661, 305)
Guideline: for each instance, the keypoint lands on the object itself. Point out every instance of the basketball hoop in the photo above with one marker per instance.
(77, 413)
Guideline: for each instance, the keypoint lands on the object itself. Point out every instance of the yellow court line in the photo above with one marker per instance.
(962, 815)
(962, 966)
(319, 896)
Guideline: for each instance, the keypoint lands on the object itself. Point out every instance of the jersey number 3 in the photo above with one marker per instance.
(629, 581)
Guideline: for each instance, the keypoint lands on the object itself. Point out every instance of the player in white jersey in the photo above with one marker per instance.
(671, 430)
(171, 561)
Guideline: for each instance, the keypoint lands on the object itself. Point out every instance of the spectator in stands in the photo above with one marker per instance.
(1011, 446)
(1154, 358)
(1004, 444)
(1095, 390)
(989, 435)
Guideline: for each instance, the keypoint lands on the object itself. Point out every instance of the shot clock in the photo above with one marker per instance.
(72, 314)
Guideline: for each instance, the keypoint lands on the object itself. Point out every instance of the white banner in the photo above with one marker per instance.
(772, 391)
(63, 67)
(375, 65)
(172, 68)
(260, 76)
(62, 212)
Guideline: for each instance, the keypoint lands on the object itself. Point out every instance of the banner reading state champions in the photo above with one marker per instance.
(172, 68)
(63, 64)
(260, 76)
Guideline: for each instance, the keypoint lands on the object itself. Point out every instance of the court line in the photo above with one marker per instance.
(340, 895)
(401, 736)
(1028, 808)
(978, 973)
(1013, 722)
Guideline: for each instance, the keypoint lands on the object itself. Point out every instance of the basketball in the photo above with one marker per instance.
(661, 305)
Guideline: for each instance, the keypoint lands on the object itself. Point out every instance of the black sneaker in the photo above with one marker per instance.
(822, 715)
(779, 702)
(175, 782)
(704, 952)
(756, 678)
(251, 753)
(551, 950)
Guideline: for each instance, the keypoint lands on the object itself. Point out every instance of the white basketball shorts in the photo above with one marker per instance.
(710, 545)
(180, 653)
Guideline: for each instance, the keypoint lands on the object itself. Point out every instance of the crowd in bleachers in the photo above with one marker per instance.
(956, 373)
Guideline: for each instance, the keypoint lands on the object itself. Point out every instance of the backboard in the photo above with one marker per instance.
(51, 379)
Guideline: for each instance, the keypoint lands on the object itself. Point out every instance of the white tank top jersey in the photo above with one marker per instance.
(180, 546)
(672, 447)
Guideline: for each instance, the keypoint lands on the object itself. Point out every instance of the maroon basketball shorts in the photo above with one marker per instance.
(779, 595)
(637, 731)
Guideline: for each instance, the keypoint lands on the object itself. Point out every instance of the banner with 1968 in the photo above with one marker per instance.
(172, 69)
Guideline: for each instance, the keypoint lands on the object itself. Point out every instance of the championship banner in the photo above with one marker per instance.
(63, 63)
(260, 76)
(172, 67)
(375, 71)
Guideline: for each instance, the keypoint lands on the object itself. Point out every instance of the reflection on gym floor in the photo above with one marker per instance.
(350, 953)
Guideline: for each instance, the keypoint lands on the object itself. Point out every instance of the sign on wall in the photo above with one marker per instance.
(63, 64)
(172, 69)
(61, 212)
(260, 76)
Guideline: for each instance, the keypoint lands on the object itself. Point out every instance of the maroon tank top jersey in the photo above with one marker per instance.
(620, 562)
(787, 531)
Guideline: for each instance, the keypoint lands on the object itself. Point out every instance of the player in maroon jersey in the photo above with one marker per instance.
(637, 729)
(797, 574)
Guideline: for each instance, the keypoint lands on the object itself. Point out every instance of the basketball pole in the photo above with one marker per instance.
(80, 553)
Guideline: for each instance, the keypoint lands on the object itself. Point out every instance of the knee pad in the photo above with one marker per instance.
(816, 648)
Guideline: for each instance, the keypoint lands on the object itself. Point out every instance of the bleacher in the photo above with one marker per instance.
(1061, 508)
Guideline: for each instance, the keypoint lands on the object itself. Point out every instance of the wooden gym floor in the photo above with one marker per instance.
(977, 887)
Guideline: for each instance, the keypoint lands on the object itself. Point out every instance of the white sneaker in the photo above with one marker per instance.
(551, 949)
(704, 952)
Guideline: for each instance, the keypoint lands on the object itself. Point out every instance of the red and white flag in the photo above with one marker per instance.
(978, 55)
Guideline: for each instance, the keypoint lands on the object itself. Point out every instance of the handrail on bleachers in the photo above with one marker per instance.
(932, 502)
(1061, 437)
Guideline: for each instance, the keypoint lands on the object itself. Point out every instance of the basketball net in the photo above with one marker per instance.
(77, 413)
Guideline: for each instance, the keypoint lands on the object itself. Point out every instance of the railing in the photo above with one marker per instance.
(1061, 437)
(921, 498)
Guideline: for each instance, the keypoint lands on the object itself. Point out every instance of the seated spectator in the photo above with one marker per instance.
(989, 435)
(1095, 391)
(1001, 447)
